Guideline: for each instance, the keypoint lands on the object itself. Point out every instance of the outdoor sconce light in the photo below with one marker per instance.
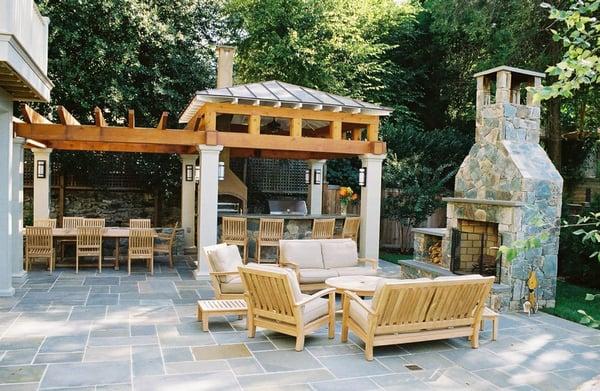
(197, 173)
(362, 176)
(307, 177)
(317, 176)
(221, 171)
(189, 172)
(41, 169)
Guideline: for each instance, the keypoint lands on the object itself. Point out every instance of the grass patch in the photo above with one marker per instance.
(571, 298)
(394, 257)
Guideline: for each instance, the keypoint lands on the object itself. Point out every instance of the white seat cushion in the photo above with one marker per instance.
(359, 314)
(305, 253)
(339, 253)
(234, 285)
(314, 309)
(281, 270)
(227, 259)
(356, 271)
(316, 276)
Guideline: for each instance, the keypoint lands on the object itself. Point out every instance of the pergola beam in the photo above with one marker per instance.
(65, 117)
(162, 122)
(33, 117)
(131, 118)
(99, 117)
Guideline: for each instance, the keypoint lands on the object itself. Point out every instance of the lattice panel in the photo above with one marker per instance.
(277, 176)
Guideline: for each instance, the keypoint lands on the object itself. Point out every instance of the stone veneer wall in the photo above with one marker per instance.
(507, 164)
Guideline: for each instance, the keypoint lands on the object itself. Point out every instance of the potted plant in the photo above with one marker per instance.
(347, 195)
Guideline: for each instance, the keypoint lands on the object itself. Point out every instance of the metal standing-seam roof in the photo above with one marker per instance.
(279, 94)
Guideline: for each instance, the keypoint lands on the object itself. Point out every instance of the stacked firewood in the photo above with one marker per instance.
(435, 253)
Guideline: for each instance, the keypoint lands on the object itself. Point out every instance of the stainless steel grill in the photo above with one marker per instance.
(292, 207)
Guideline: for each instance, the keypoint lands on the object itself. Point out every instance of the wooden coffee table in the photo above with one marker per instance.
(361, 285)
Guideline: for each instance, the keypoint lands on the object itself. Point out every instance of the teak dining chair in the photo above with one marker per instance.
(99, 223)
(351, 226)
(45, 223)
(141, 246)
(323, 228)
(89, 244)
(38, 244)
(270, 232)
(68, 223)
(164, 245)
(140, 223)
(234, 230)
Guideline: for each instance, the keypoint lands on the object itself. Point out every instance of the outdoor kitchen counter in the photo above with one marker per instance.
(295, 227)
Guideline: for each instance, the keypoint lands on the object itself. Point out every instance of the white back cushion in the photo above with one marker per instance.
(281, 270)
(305, 253)
(339, 253)
(227, 259)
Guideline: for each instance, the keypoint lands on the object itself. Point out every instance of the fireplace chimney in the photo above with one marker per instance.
(225, 66)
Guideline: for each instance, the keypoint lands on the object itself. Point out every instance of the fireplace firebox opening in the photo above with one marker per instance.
(474, 249)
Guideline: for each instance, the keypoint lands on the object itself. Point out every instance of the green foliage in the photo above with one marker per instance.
(573, 303)
(579, 33)
(517, 247)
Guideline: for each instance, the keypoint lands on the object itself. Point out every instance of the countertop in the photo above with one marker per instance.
(287, 216)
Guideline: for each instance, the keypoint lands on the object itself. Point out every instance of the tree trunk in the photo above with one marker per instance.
(553, 132)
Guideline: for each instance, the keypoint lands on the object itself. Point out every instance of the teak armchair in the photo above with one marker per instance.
(223, 270)
(409, 311)
(38, 244)
(164, 245)
(141, 246)
(270, 232)
(69, 223)
(45, 223)
(234, 230)
(93, 223)
(276, 303)
(350, 229)
(323, 228)
(140, 223)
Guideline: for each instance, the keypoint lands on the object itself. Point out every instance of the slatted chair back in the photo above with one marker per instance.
(408, 306)
(140, 223)
(270, 230)
(45, 223)
(39, 240)
(323, 228)
(351, 226)
(72, 222)
(234, 229)
(98, 223)
(270, 294)
(89, 241)
(165, 243)
(141, 243)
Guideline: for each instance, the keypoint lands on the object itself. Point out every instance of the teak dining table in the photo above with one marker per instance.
(116, 233)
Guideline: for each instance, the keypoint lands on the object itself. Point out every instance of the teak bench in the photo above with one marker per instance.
(207, 308)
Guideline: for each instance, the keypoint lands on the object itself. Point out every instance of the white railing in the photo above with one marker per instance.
(22, 19)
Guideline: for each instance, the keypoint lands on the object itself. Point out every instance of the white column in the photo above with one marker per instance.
(17, 206)
(208, 195)
(6, 134)
(41, 186)
(188, 199)
(370, 206)
(315, 192)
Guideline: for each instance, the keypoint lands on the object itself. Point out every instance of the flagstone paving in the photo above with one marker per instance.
(111, 331)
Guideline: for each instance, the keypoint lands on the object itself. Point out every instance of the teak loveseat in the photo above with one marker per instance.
(314, 261)
(405, 311)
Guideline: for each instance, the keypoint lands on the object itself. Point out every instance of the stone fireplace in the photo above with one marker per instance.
(506, 189)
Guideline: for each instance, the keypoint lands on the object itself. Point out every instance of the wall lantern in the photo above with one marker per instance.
(221, 171)
(362, 176)
(41, 169)
(197, 174)
(307, 177)
(189, 172)
(317, 176)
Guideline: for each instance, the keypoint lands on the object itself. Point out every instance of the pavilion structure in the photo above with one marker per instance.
(270, 119)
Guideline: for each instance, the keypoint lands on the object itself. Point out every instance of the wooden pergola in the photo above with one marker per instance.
(269, 120)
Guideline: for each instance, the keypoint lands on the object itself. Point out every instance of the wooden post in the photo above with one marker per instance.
(254, 124)
(373, 132)
(335, 130)
(357, 134)
(296, 127)
(210, 121)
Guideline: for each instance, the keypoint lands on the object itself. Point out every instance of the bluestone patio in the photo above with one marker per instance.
(111, 331)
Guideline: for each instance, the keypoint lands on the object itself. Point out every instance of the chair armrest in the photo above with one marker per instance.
(164, 236)
(315, 296)
(374, 262)
(223, 273)
(292, 265)
(359, 301)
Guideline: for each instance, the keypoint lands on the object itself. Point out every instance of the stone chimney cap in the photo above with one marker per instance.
(512, 70)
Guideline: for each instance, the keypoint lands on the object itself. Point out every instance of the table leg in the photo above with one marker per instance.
(117, 250)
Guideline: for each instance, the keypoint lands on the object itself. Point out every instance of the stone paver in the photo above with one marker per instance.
(113, 332)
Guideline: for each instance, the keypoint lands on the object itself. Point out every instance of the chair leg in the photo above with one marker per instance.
(250, 325)
(129, 265)
(171, 259)
(151, 266)
(494, 328)
(369, 350)
(475, 337)
(331, 315)
(77, 262)
(258, 252)
(26, 262)
(345, 308)
(300, 342)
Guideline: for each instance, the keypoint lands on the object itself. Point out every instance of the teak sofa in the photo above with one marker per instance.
(314, 261)
(405, 311)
